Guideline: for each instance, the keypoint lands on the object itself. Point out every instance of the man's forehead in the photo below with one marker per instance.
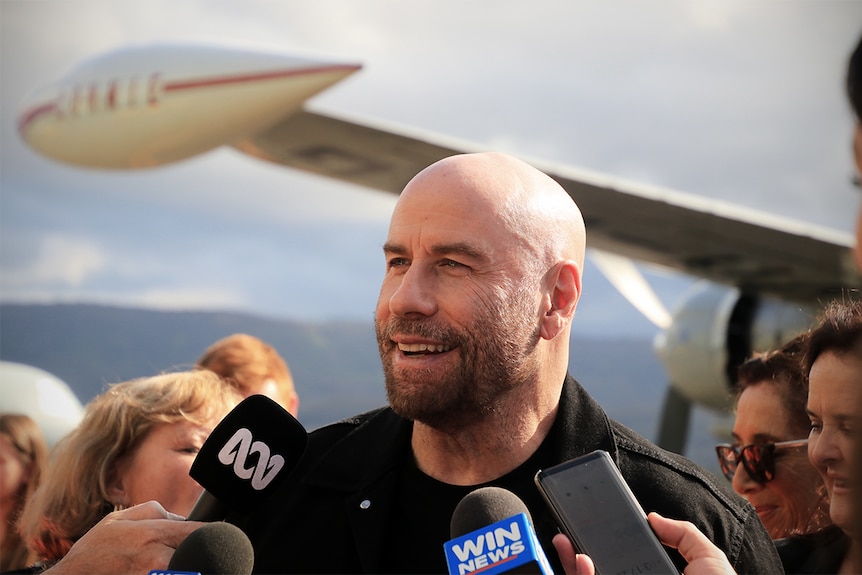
(444, 222)
(434, 233)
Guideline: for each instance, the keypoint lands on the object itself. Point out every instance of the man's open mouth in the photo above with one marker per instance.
(423, 348)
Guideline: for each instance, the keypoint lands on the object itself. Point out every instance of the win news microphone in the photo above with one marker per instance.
(492, 532)
(248, 454)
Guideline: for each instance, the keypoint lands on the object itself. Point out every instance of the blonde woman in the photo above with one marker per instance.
(135, 444)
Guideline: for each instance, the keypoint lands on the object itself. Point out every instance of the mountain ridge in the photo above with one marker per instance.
(335, 364)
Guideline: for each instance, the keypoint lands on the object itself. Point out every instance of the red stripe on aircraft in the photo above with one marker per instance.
(33, 113)
(52, 107)
(193, 84)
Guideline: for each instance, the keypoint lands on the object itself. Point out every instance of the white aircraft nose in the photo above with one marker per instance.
(42, 396)
(151, 105)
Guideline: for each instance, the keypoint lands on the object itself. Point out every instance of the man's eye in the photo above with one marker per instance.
(451, 264)
(397, 262)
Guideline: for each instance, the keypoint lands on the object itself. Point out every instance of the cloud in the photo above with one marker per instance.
(208, 297)
(58, 260)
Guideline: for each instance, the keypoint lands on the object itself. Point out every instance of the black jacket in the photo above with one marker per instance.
(819, 552)
(331, 515)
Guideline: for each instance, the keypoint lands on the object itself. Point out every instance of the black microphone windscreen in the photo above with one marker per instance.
(214, 549)
(483, 507)
(249, 452)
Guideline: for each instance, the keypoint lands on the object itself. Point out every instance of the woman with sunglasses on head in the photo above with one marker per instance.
(833, 362)
(768, 461)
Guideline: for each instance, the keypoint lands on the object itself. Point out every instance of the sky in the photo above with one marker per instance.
(737, 100)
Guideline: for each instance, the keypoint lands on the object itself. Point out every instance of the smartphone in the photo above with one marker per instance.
(595, 507)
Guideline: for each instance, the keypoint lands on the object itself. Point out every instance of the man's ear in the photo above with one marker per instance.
(564, 289)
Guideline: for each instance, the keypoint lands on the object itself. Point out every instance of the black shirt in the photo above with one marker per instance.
(424, 508)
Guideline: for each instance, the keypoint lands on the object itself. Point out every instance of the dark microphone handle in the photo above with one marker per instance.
(208, 508)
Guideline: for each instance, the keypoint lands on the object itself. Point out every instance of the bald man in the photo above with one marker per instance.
(484, 259)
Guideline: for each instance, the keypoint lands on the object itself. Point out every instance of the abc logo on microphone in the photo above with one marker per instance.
(249, 452)
(241, 449)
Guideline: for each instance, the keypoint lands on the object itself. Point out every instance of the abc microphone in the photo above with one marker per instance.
(248, 454)
(492, 532)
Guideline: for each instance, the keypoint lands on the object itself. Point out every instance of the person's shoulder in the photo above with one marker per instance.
(678, 488)
(643, 462)
(641, 450)
(819, 552)
(343, 427)
(356, 433)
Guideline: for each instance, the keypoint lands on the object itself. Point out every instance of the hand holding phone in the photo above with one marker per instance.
(598, 511)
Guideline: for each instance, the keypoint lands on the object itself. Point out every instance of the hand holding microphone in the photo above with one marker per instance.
(129, 541)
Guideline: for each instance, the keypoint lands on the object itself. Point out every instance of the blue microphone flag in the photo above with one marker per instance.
(500, 547)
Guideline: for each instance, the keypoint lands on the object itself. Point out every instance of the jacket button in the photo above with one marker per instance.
(364, 504)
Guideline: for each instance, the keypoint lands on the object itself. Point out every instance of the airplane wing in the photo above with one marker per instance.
(754, 251)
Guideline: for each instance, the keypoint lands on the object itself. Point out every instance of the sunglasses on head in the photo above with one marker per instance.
(757, 458)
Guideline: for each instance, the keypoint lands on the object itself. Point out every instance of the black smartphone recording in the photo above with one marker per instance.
(596, 508)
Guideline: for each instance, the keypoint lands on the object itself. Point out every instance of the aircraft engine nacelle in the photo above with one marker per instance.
(716, 328)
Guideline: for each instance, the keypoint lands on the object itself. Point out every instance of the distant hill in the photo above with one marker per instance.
(91, 346)
(335, 364)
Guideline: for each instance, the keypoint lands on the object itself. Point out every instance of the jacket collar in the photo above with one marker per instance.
(380, 441)
(581, 425)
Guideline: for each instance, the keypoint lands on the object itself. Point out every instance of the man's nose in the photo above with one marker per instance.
(415, 294)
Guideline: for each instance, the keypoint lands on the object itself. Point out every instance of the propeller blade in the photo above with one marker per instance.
(630, 282)
(673, 425)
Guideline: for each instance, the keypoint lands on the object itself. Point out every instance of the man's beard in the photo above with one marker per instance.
(495, 361)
